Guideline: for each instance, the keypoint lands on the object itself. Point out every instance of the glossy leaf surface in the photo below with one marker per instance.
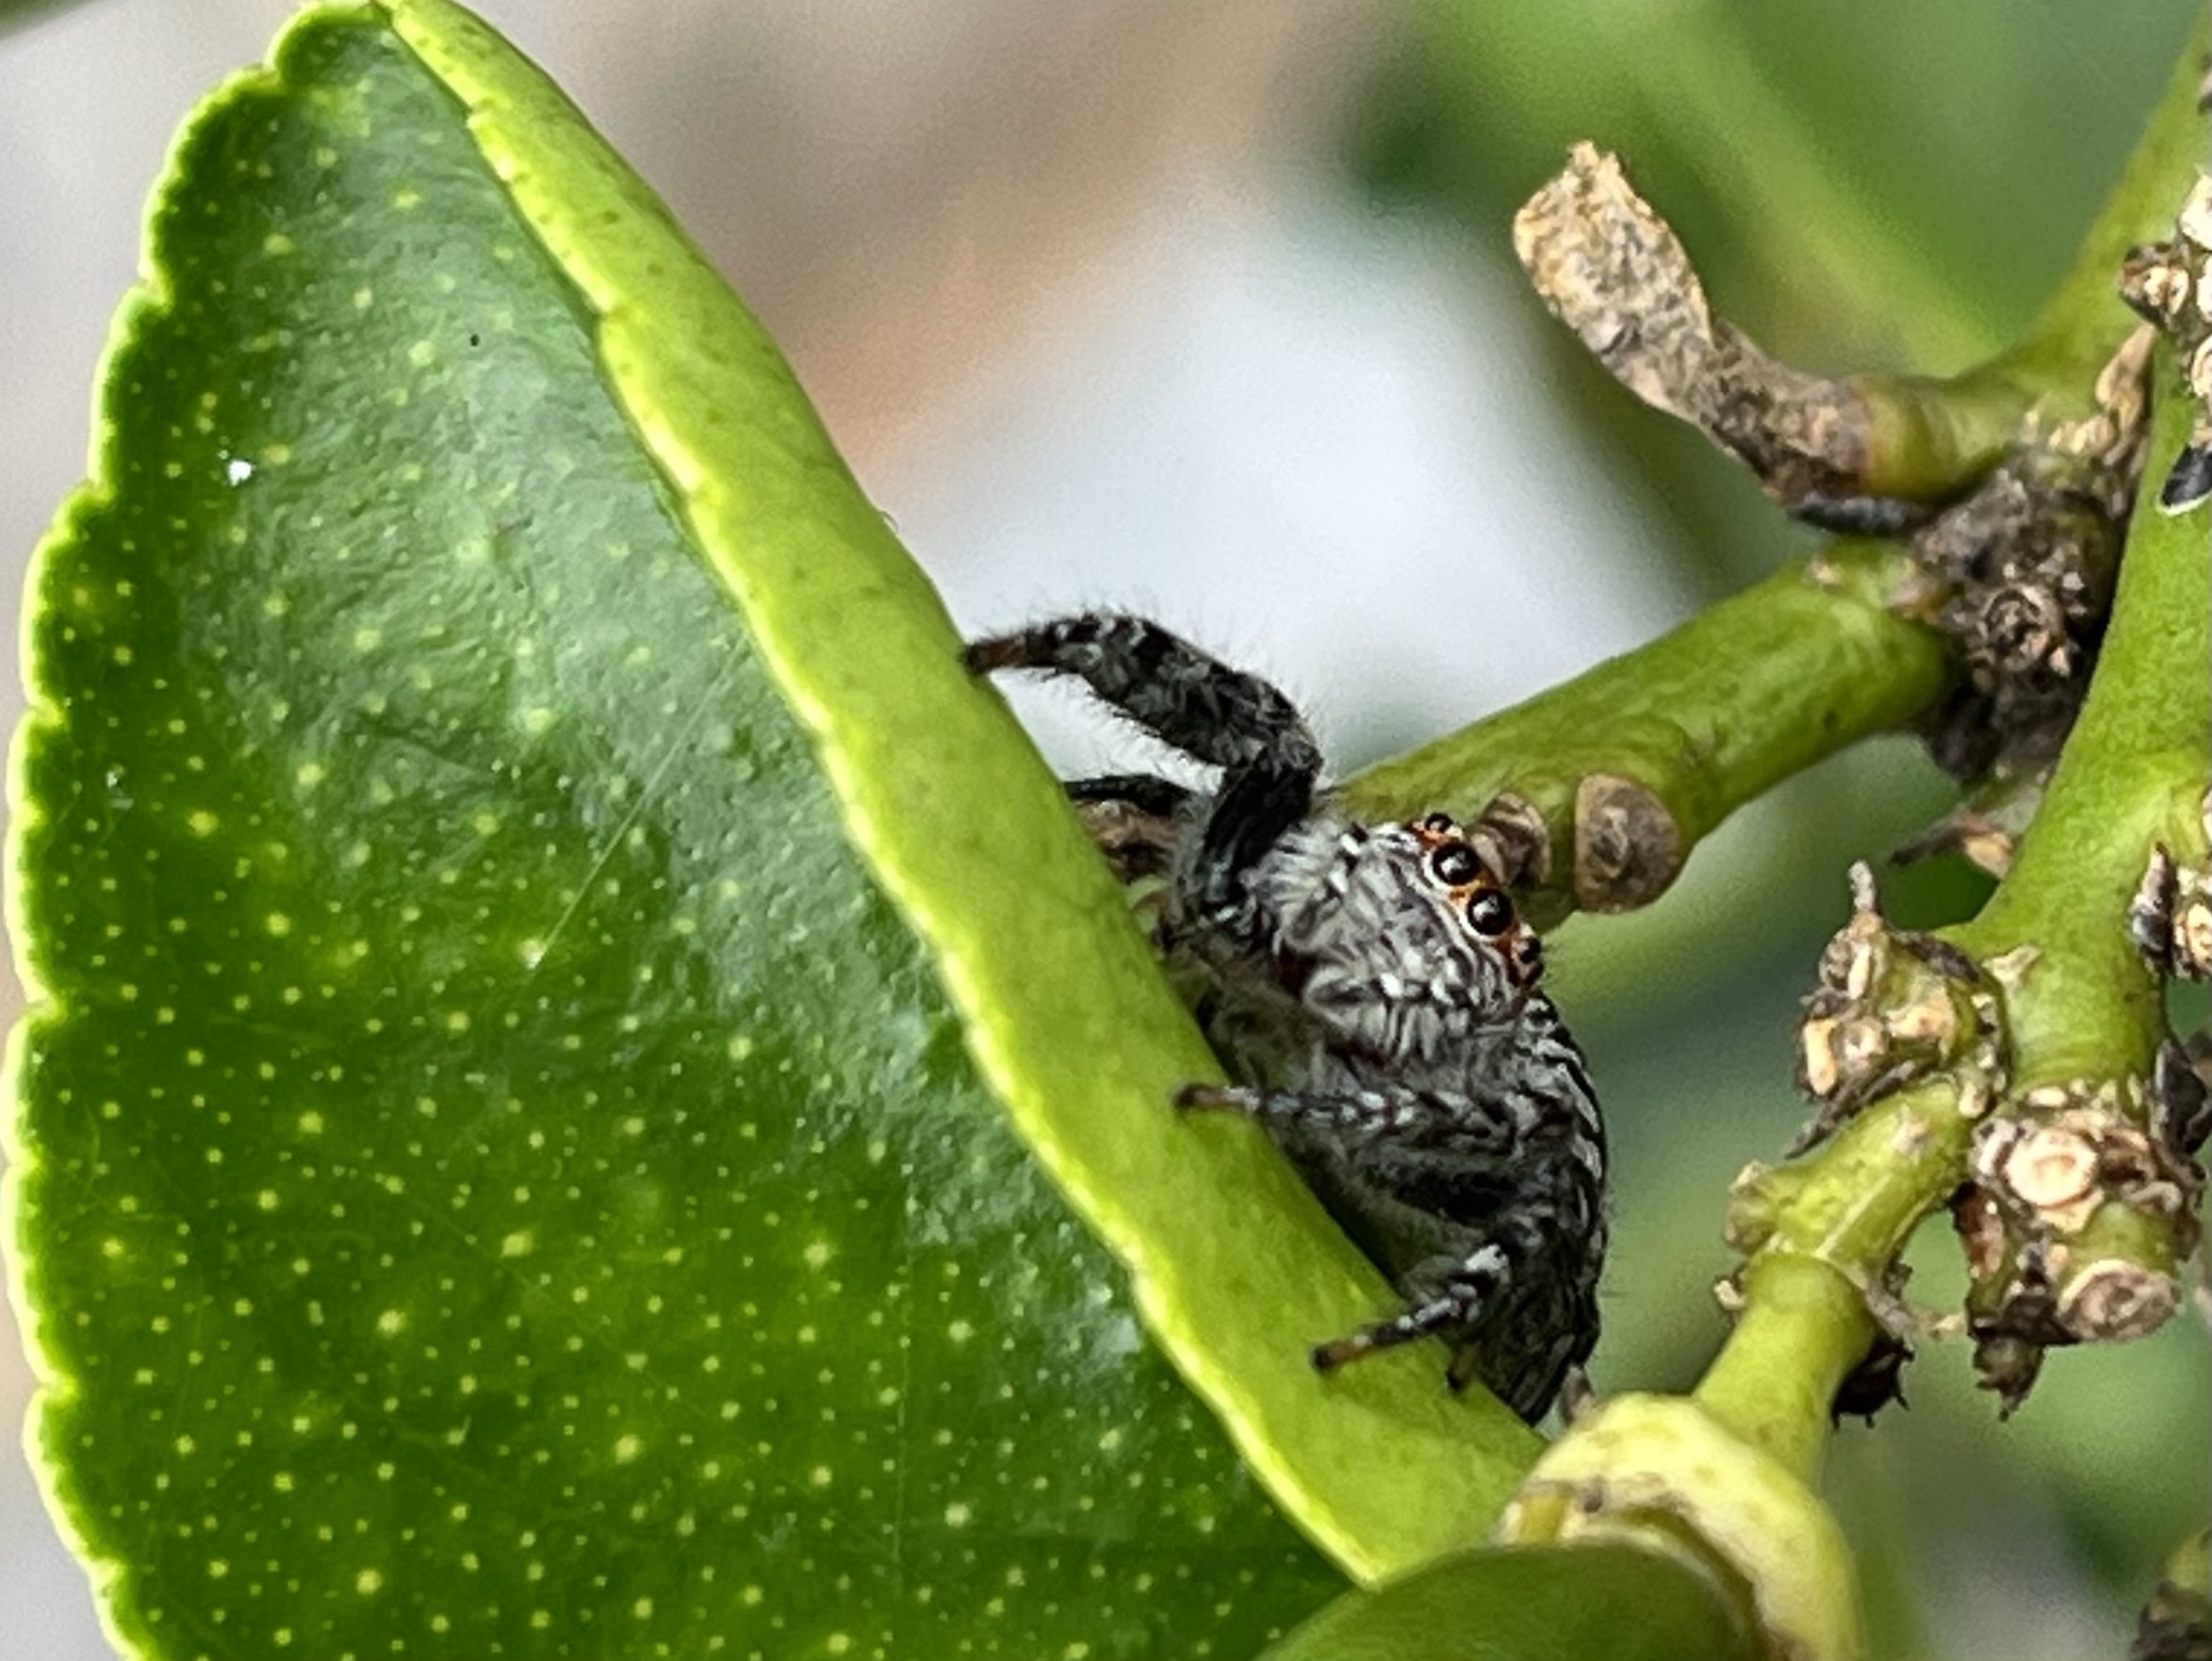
(1235, 1267)
(496, 1176)
(527, 905)
(1529, 1604)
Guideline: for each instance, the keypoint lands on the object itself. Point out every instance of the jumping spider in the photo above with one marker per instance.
(1374, 993)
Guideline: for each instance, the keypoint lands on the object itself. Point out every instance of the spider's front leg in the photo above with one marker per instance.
(1185, 698)
(1194, 702)
(1513, 1299)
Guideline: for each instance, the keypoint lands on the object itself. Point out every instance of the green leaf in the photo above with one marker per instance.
(496, 1169)
(1530, 1603)
(495, 1174)
(1236, 1268)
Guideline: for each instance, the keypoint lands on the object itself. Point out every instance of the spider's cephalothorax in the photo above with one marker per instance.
(1372, 990)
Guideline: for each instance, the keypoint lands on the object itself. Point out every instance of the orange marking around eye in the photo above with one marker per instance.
(1522, 951)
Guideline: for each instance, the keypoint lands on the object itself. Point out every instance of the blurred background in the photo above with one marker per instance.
(1207, 307)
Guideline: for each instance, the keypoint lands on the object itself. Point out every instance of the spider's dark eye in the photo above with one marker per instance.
(1455, 865)
(1490, 913)
(1437, 823)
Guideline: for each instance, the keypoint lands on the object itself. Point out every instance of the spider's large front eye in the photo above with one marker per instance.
(1490, 913)
(1455, 865)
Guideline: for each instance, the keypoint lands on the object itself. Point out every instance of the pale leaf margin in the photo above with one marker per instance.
(1234, 1269)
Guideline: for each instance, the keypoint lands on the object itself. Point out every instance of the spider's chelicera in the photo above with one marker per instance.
(1374, 993)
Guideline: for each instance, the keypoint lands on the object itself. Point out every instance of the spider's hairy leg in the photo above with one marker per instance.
(1194, 702)
(1143, 793)
(1188, 699)
(1454, 1294)
(1508, 1180)
(1259, 801)
(1401, 1121)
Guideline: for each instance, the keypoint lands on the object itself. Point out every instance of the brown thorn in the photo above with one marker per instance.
(1627, 846)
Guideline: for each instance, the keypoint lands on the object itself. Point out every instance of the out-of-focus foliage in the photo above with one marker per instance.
(1889, 185)
(21, 11)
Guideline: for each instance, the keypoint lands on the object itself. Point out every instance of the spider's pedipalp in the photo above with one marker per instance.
(1136, 819)
(1258, 804)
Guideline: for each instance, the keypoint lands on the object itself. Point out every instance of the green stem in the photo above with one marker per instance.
(2189, 1566)
(2084, 322)
(1928, 439)
(1803, 1328)
(1828, 1228)
(1704, 719)
(2082, 1005)
(1629, 765)
(2132, 772)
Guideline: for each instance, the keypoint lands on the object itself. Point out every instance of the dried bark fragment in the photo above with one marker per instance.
(1514, 840)
(1985, 826)
(2021, 575)
(1611, 268)
(2170, 920)
(2176, 1623)
(2116, 1299)
(2170, 917)
(2039, 1178)
(1892, 1006)
(1874, 1383)
(2171, 1635)
(2181, 1093)
(2170, 285)
(1878, 1379)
